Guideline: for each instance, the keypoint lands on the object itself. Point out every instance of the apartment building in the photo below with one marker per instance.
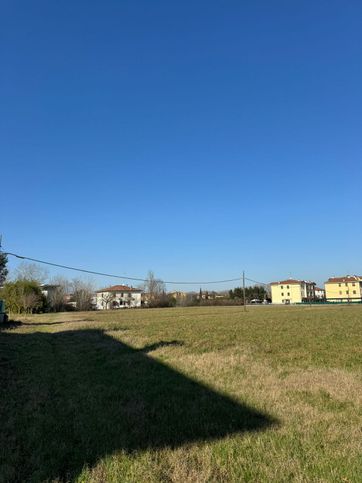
(292, 291)
(344, 289)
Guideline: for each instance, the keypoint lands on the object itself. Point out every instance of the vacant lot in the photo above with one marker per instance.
(194, 394)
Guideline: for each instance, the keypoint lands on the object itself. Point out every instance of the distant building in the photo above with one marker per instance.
(178, 295)
(47, 289)
(320, 293)
(344, 289)
(118, 297)
(206, 295)
(292, 291)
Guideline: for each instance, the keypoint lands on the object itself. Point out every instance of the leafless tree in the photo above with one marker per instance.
(31, 272)
(30, 300)
(108, 299)
(58, 293)
(83, 294)
(154, 288)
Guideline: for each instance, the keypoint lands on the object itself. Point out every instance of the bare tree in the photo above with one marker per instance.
(154, 289)
(83, 294)
(107, 299)
(30, 300)
(58, 294)
(31, 272)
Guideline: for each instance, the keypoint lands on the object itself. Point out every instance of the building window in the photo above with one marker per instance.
(353, 284)
(354, 292)
(339, 285)
(340, 292)
(287, 286)
(346, 284)
(282, 294)
(347, 292)
(288, 294)
(281, 287)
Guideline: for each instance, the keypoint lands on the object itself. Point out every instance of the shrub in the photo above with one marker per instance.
(23, 296)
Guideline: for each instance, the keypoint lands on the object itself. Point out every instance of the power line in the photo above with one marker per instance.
(255, 281)
(136, 279)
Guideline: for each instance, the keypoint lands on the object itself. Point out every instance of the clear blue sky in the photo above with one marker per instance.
(196, 138)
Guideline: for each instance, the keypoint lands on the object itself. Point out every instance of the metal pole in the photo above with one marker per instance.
(244, 298)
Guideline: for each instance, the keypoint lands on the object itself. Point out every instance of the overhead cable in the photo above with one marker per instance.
(136, 279)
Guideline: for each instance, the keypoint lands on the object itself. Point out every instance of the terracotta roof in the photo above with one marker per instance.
(347, 278)
(320, 289)
(119, 288)
(290, 281)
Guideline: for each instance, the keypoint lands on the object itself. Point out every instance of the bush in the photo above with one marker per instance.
(23, 296)
(162, 301)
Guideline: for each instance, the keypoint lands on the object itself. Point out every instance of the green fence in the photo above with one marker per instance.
(330, 302)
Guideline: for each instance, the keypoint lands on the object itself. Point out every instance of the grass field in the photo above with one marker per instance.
(183, 395)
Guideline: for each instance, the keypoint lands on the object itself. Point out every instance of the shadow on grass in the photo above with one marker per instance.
(70, 398)
(10, 324)
(40, 324)
(62, 322)
(158, 345)
(13, 324)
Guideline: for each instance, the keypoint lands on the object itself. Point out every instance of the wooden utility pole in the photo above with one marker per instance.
(244, 298)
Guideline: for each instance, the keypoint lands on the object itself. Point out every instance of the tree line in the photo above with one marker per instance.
(25, 292)
(258, 292)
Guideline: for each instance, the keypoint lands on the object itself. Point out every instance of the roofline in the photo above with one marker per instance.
(347, 278)
(286, 283)
(110, 289)
(292, 282)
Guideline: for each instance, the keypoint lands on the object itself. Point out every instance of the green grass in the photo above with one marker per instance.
(191, 394)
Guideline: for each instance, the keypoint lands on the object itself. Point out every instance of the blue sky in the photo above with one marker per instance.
(196, 139)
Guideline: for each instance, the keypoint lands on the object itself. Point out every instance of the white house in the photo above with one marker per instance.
(320, 293)
(118, 297)
(47, 289)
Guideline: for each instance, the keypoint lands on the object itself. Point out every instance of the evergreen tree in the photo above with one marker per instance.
(3, 270)
(23, 296)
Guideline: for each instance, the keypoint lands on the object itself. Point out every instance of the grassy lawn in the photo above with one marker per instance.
(184, 395)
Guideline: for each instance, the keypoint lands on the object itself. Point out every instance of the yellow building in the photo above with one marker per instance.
(344, 289)
(292, 291)
(178, 295)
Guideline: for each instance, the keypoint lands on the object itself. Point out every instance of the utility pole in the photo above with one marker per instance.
(244, 298)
